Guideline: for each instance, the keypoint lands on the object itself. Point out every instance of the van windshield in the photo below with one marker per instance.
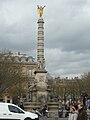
(14, 109)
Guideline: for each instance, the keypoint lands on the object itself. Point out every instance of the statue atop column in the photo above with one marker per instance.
(40, 10)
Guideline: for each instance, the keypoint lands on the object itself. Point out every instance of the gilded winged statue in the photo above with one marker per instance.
(40, 10)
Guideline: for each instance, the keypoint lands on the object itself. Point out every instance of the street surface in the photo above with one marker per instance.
(57, 118)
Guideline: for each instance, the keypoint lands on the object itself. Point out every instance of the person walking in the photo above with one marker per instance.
(73, 113)
(45, 111)
(82, 114)
(21, 105)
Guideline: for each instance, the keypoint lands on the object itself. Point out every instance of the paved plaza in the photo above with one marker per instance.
(53, 118)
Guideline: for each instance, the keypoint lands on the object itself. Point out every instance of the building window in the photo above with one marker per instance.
(30, 72)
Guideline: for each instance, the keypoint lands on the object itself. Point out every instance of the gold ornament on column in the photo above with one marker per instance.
(40, 10)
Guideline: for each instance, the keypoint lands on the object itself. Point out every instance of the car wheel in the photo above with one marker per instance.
(27, 119)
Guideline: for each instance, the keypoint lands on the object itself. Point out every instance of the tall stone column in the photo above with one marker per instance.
(40, 47)
(41, 80)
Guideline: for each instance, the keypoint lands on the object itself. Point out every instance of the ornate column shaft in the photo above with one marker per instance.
(40, 47)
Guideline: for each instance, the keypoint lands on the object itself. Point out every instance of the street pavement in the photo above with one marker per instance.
(52, 118)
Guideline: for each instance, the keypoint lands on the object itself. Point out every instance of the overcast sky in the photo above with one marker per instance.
(66, 32)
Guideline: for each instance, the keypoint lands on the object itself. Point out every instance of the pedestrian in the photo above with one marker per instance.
(21, 106)
(73, 113)
(45, 111)
(82, 114)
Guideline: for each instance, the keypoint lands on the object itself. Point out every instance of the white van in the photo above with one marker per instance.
(10, 111)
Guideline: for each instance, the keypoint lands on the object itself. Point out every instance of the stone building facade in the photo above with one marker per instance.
(28, 67)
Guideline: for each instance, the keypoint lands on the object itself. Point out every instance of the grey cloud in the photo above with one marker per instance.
(72, 36)
(67, 27)
(65, 63)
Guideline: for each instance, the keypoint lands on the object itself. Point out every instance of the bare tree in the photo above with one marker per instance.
(11, 79)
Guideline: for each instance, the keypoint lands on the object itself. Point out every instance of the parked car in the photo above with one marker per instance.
(13, 112)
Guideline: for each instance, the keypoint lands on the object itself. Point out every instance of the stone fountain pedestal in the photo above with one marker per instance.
(41, 86)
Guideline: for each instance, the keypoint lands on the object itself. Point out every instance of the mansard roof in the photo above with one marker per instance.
(16, 57)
